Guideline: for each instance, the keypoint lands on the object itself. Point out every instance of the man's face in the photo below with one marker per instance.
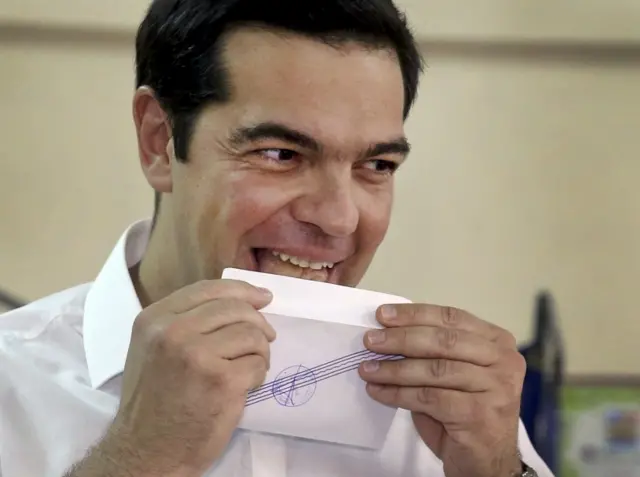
(294, 175)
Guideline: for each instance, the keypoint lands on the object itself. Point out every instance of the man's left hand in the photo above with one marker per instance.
(461, 378)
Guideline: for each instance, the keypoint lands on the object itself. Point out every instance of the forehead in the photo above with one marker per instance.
(336, 91)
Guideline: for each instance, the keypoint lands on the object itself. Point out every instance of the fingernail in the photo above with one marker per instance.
(266, 292)
(376, 337)
(388, 312)
(371, 366)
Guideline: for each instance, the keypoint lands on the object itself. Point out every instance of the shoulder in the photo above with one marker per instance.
(45, 328)
(36, 316)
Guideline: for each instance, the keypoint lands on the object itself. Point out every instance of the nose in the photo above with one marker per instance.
(329, 204)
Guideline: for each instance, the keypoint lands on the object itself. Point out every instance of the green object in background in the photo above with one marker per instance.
(601, 429)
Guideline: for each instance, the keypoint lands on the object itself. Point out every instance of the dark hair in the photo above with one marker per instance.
(179, 46)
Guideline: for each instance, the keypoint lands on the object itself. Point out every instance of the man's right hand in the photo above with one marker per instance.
(193, 358)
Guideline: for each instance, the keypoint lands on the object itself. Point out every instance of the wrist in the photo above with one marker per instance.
(516, 470)
(124, 458)
(512, 464)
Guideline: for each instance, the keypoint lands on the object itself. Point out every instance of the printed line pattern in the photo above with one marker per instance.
(320, 373)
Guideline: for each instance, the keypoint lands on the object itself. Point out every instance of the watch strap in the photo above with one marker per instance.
(526, 470)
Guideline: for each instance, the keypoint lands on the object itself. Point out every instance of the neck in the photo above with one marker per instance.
(157, 276)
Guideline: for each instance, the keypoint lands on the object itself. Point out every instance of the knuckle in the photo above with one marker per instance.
(197, 359)
(170, 337)
(237, 307)
(226, 383)
(415, 312)
(232, 283)
(261, 368)
(506, 406)
(226, 303)
(235, 288)
(401, 336)
(450, 316)
(142, 322)
(439, 368)
(252, 377)
(253, 337)
(508, 339)
(510, 383)
(161, 339)
(517, 376)
(215, 290)
(448, 338)
(390, 393)
(519, 363)
(514, 364)
(201, 289)
(402, 369)
(428, 396)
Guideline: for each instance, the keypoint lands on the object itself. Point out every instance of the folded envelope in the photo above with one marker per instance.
(313, 389)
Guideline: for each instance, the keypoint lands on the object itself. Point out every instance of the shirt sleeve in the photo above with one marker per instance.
(529, 454)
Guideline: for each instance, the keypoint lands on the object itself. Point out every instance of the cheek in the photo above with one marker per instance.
(233, 209)
(249, 205)
(375, 216)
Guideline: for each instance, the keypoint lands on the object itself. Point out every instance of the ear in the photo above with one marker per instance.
(155, 142)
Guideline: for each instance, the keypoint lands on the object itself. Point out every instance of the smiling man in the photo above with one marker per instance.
(270, 131)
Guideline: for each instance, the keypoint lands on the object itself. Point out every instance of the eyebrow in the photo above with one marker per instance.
(398, 146)
(272, 130)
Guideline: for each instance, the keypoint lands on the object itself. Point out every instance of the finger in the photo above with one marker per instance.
(410, 314)
(437, 373)
(432, 342)
(238, 340)
(446, 406)
(215, 315)
(250, 372)
(202, 292)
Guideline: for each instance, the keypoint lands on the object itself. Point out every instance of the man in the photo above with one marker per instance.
(270, 131)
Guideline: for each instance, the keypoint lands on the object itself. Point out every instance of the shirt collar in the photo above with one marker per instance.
(112, 306)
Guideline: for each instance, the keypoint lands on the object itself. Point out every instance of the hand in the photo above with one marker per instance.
(193, 358)
(462, 379)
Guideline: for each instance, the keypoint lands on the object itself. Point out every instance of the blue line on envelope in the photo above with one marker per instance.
(266, 397)
(359, 357)
(320, 373)
(329, 363)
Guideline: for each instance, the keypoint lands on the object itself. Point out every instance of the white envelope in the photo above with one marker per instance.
(313, 390)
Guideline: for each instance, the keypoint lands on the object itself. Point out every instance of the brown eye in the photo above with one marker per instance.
(279, 155)
(382, 166)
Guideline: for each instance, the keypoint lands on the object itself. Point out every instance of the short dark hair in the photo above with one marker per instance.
(179, 46)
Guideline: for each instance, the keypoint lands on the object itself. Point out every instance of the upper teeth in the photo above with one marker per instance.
(303, 263)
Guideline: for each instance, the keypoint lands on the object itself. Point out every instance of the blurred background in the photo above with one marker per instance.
(524, 178)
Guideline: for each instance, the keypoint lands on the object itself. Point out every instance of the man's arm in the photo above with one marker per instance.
(192, 360)
(104, 460)
(114, 457)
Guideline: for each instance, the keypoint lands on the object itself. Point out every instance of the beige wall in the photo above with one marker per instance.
(497, 20)
(524, 173)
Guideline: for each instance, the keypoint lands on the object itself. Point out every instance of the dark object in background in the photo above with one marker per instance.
(541, 398)
(9, 302)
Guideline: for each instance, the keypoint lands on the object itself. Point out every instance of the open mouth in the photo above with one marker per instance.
(281, 263)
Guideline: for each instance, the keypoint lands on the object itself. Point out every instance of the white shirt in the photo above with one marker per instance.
(61, 361)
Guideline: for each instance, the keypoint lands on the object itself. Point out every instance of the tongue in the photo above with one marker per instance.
(267, 263)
